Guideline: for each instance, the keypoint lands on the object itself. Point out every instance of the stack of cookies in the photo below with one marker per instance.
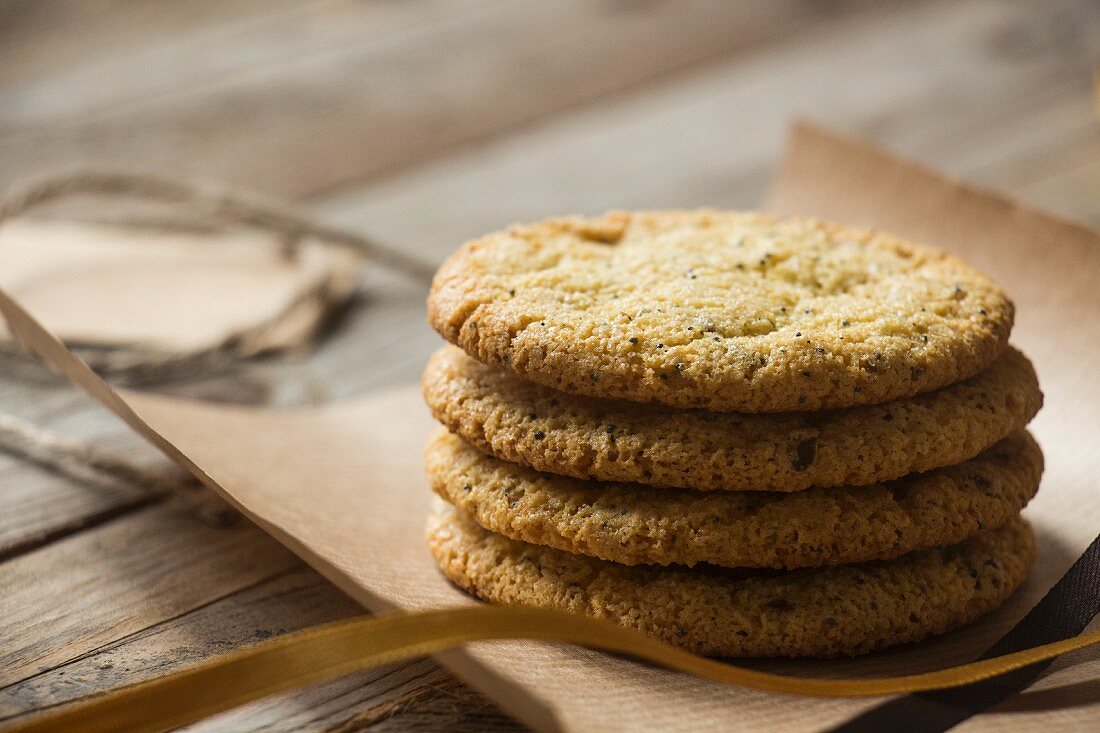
(744, 435)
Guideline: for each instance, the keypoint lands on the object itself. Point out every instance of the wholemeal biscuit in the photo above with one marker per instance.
(633, 524)
(821, 612)
(720, 310)
(527, 423)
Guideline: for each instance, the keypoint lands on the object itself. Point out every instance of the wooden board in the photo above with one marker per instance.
(305, 98)
(424, 123)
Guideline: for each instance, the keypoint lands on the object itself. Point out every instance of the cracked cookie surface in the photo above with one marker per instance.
(720, 310)
(633, 524)
(821, 612)
(613, 440)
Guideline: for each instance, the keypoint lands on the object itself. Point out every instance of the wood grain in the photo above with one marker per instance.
(424, 123)
(322, 91)
(120, 578)
(38, 505)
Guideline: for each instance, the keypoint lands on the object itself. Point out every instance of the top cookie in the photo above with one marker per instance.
(721, 310)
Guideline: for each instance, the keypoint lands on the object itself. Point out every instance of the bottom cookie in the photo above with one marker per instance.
(823, 612)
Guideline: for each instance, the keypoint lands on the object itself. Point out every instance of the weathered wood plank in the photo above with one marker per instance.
(78, 594)
(156, 61)
(1059, 173)
(38, 39)
(241, 618)
(304, 101)
(38, 505)
(291, 600)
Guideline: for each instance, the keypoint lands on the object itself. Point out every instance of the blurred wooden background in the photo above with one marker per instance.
(424, 123)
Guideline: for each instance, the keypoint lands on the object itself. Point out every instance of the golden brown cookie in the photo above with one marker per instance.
(536, 426)
(720, 310)
(822, 612)
(633, 524)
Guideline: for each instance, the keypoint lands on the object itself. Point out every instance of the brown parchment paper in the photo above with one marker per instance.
(343, 487)
(174, 291)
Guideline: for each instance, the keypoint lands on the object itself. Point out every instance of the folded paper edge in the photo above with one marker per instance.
(807, 176)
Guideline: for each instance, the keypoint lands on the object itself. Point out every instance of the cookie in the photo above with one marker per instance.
(823, 612)
(720, 310)
(632, 524)
(536, 426)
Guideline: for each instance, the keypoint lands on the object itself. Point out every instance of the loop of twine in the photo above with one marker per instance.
(84, 462)
(215, 204)
(89, 465)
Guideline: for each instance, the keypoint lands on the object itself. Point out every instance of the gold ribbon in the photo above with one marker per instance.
(333, 650)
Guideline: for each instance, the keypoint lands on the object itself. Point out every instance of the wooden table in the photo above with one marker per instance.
(425, 123)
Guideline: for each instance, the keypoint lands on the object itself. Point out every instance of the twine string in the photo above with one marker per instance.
(87, 464)
(213, 204)
(132, 365)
